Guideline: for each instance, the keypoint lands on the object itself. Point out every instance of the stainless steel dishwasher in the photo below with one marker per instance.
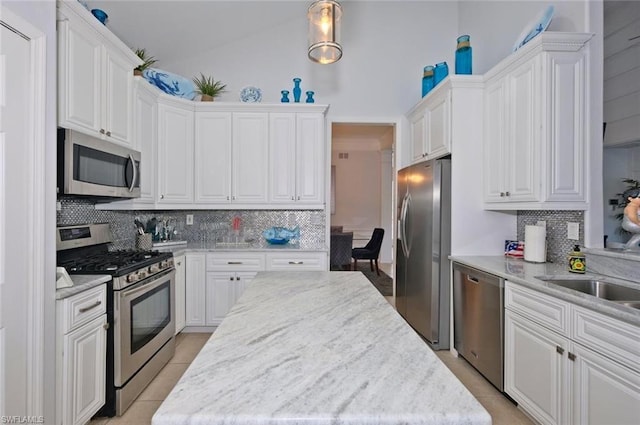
(478, 314)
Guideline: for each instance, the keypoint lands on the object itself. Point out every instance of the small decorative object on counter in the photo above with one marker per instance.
(100, 15)
(463, 55)
(297, 91)
(440, 72)
(144, 242)
(427, 80)
(281, 235)
(310, 97)
(577, 261)
(514, 248)
(285, 96)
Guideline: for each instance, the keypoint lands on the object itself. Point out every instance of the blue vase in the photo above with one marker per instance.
(310, 97)
(285, 96)
(440, 72)
(296, 90)
(427, 80)
(100, 15)
(463, 55)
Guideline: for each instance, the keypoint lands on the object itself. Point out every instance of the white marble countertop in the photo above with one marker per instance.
(81, 283)
(519, 271)
(317, 348)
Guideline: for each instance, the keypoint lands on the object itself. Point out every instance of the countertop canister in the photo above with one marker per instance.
(535, 244)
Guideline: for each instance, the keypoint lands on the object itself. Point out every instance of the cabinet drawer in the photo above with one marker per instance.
(297, 261)
(539, 307)
(83, 307)
(610, 337)
(232, 261)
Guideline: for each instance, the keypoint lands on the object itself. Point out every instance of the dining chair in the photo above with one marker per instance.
(370, 251)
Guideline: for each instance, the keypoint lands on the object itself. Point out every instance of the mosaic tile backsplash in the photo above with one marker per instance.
(558, 246)
(208, 225)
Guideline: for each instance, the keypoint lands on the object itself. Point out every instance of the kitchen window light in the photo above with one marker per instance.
(324, 31)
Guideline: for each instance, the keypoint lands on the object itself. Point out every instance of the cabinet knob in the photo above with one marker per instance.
(237, 277)
(233, 197)
(502, 194)
(161, 196)
(571, 356)
(507, 194)
(231, 278)
(298, 198)
(293, 198)
(106, 326)
(102, 131)
(227, 198)
(179, 263)
(109, 133)
(559, 349)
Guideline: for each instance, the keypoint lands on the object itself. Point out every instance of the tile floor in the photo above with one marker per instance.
(502, 410)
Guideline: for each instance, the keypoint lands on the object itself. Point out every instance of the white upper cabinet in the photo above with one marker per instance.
(175, 152)
(430, 122)
(95, 76)
(212, 157)
(535, 137)
(296, 144)
(145, 131)
(250, 157)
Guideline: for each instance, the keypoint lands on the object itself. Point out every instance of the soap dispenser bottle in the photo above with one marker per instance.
(577, 260)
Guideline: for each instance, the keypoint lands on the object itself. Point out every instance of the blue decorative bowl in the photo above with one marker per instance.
(280, 235)
(173, 84)
(101, 15)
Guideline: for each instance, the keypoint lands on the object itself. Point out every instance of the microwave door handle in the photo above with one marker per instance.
(135, 173)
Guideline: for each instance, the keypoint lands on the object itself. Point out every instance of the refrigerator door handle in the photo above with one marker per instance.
(403, 227)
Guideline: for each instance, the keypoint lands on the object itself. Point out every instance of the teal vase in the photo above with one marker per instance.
(310, 97)
(296, 90)
(285, 96)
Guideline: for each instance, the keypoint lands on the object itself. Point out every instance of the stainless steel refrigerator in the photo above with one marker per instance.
(423, 246)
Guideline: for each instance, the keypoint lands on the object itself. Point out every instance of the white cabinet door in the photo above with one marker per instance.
(195, 289)
(118, 88)
(418, 136)
(212, 157)
(223, 290)
(535, 370)
(146, 138)
(282, 157)
(495, 155)
(310, 153)
(175, 154)
(79, 79)
(438, 124)
(604, 391)
(250, 157)
(523, 133)
(84, 371)
(180, 297)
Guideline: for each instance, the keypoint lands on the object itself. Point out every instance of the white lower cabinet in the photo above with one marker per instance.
(195, 277)
(180, 263)
(82, 343)
(223, 290)
(562, 374)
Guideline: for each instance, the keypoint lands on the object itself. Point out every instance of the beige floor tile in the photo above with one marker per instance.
(503, 411)
(470, 378)
(189, 346)
(140, 413)
(164, 382)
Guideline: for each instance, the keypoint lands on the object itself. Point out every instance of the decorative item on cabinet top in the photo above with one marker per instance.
(538, 25)
(250, 94)
(100, 15)
(147, 61)
(170, 83)
(208, 87)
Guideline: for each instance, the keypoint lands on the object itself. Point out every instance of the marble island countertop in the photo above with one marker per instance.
(257, 246)
(317, 348)
(528, 274)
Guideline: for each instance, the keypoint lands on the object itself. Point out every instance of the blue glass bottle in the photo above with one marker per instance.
(310, 97)
(296, 90)
(440, 72)
(285, 96)
(427, 79)
(463, 55)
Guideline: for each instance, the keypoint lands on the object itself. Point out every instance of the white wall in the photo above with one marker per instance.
(42, 15)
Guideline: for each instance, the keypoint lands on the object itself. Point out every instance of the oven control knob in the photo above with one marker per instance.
(142, 274)
(154, 268)
(132, 277)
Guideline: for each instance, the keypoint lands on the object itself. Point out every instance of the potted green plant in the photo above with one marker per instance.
(147, 61)
(208, 87)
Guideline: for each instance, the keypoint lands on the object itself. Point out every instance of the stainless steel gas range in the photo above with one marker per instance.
(140, 308)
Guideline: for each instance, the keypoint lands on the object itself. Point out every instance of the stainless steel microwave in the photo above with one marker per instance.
(88, 166)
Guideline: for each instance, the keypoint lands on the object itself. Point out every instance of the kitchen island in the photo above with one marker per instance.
(317, 348)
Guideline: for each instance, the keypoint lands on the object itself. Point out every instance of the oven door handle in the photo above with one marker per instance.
(145, 285)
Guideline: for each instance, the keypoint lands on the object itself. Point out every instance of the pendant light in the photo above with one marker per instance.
(324, 31)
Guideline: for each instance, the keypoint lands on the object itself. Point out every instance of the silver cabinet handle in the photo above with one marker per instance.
(296, 262)
(161, 196)
(109, 133)
(571, 356)
(293, 198)
(234, 262)
(106, 326)
(502, 194)
(507, 194)
(92, 306)
(559, 349)
(231, 278)
(179, 263)
(473, 279)
(102, 131)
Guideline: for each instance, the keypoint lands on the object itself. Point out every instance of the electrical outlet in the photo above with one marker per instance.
(189, 219)
(58, 206)
(573, 231)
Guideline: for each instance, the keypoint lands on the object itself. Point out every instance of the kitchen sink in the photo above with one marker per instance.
(601, 289)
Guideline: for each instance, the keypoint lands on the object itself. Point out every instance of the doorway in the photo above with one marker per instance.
(363, 182)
